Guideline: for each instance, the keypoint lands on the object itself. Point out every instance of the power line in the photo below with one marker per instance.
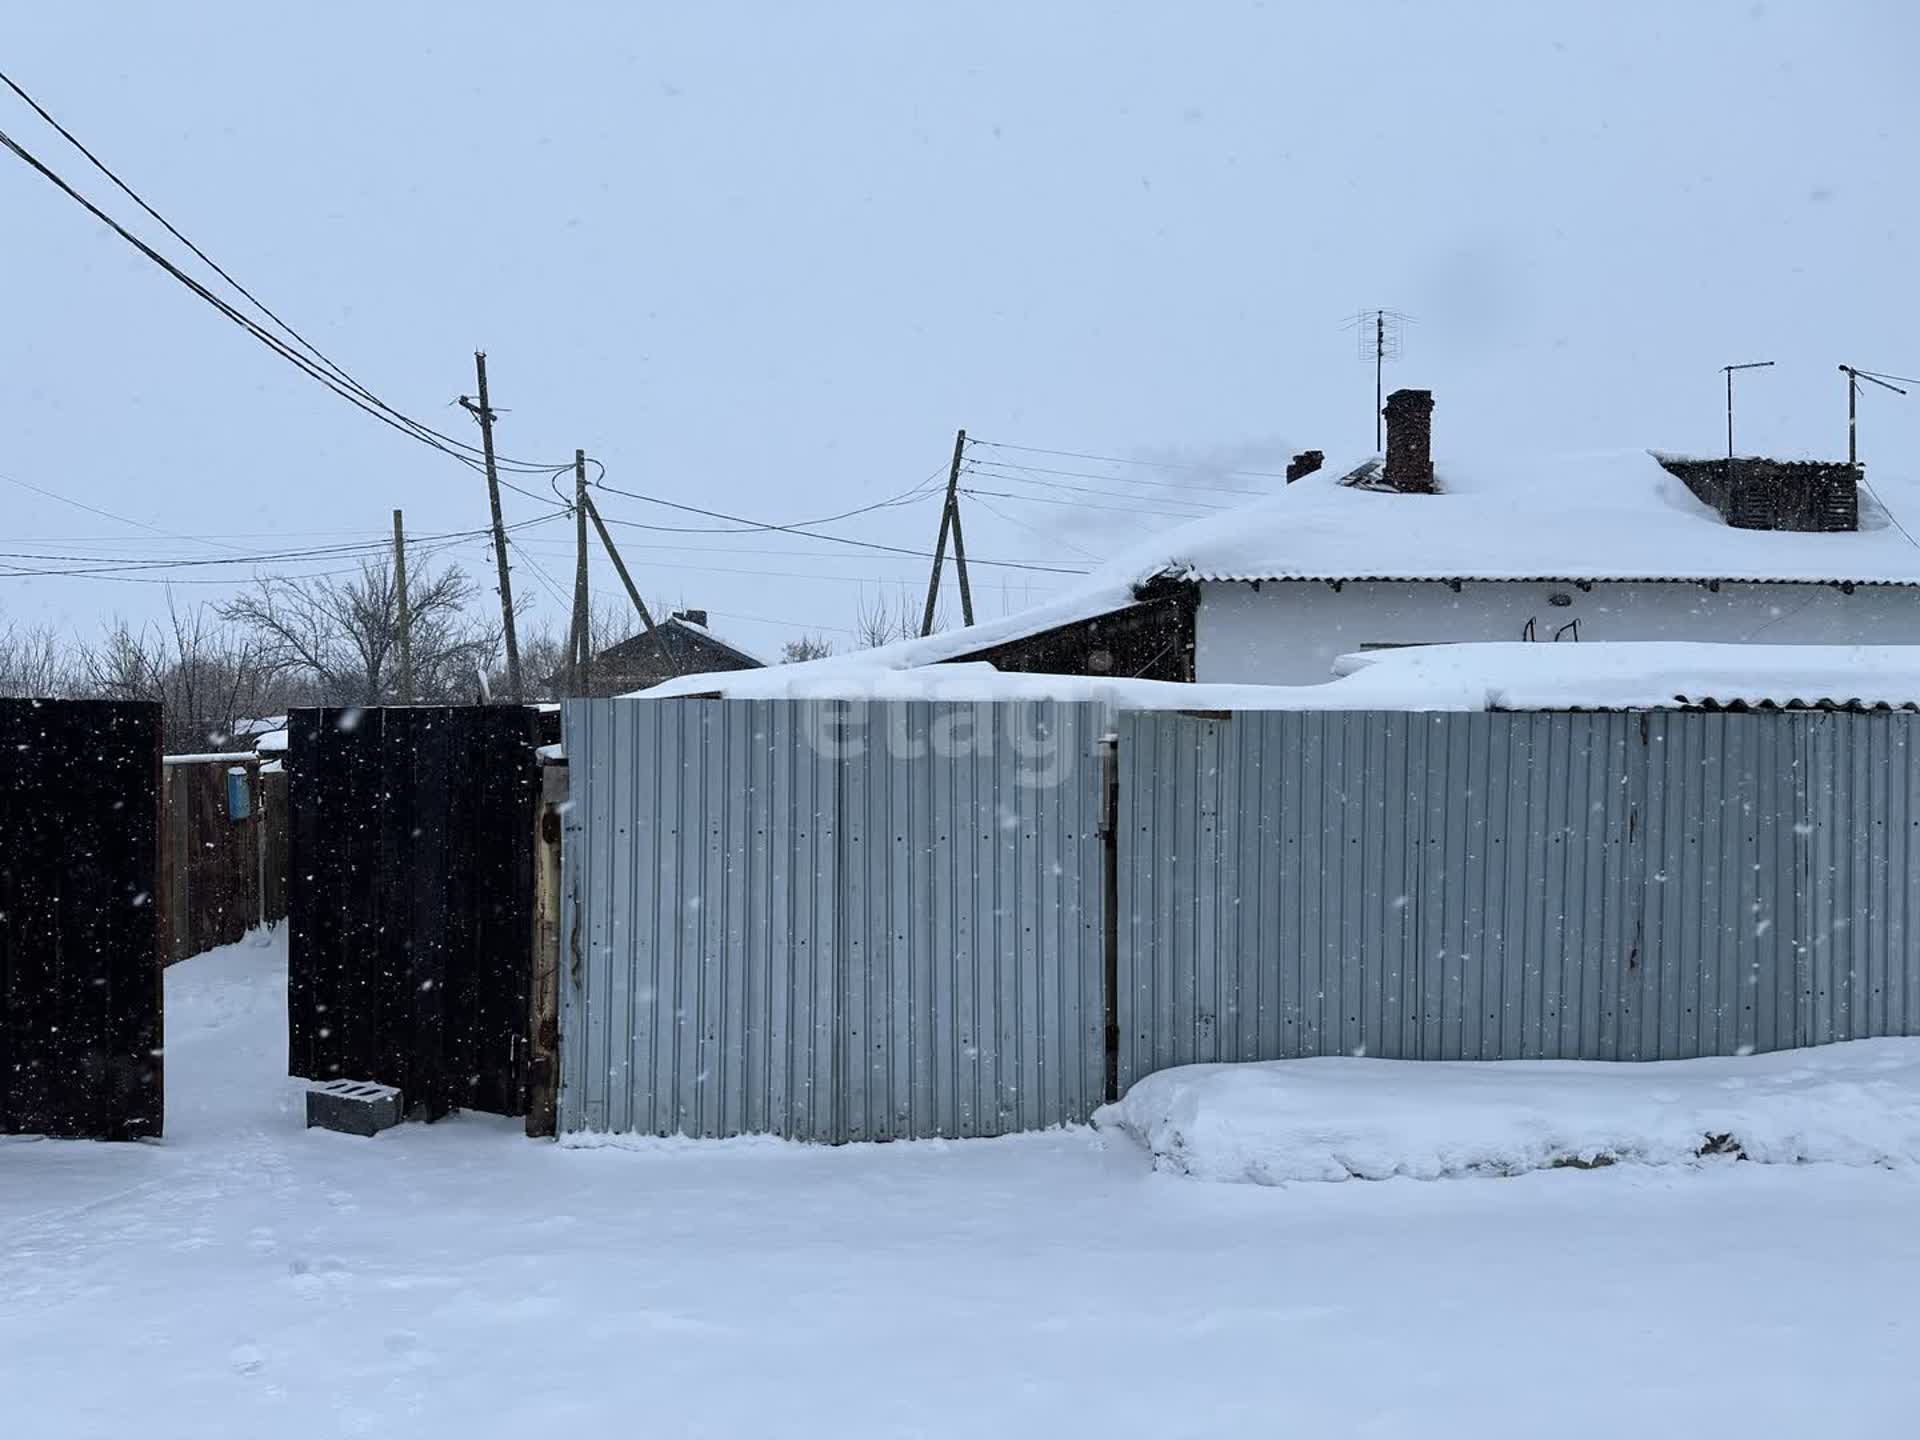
(332, 366)
(1198, 506)
(348, 390)
(905, 497)
(1007, 468)
(1122, 460)
(19, 572)
(1087, 505)
(110, 515)
(818, 535)
(993, 509)
(111, 565)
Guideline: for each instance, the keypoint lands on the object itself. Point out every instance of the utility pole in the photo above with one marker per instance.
(1854, 376)
(484, 412)
(581, 655)
(406, 609)
(633, 591)
(950, 520)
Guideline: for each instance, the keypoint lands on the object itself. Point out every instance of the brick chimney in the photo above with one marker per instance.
(1410, 442)
(1305, 463)
(692, 617)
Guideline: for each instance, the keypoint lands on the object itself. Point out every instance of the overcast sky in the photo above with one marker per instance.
(766, 258)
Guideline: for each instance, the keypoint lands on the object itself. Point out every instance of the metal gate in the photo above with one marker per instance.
(410, 902)
(831, 920)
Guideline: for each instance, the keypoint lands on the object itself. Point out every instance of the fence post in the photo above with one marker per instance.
(543, 1010)
(1110, 907)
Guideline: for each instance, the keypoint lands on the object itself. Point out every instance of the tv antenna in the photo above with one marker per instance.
(1380, 336)
(1854, 376)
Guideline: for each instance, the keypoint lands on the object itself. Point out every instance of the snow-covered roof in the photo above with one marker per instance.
(1645, 675)
(707, 632)
(1603, 515)
(273, 742)
(1603, 675)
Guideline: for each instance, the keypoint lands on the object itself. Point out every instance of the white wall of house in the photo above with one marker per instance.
(1289, 631)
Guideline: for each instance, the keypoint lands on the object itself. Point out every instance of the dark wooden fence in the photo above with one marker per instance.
(410, 914)
(80, 916)
(273, 844)
(210, 857)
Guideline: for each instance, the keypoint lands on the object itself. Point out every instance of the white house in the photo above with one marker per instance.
(1620, 545)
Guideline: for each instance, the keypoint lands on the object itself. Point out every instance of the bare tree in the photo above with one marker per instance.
(876, 623)
(343, 639)
(36, 662)
(543, 646)
(805, 647)
(204, 676)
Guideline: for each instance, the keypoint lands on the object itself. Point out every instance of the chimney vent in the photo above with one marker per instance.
(1305, 463)
(1410, 442)
(692, 617)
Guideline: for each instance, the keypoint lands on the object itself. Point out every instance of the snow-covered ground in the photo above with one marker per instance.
(247, 1278)
(1341, 1117)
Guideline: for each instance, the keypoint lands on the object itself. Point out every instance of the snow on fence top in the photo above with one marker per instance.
(1604, 675)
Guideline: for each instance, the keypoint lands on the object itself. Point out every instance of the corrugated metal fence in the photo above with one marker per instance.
(1499, 886)
(831, 920)
(849, 920)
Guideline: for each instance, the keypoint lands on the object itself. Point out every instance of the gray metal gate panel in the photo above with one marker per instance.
(699, 864)
(1513, 885)
(831, 920)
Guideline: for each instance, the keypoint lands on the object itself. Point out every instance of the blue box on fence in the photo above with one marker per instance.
(239, 793)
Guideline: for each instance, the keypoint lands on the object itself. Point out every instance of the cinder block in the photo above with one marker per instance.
(353, 1107)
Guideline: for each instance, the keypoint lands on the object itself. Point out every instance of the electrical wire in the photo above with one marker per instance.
(111, 515)
(1181, 486)
(347, 390)
(1082, 505)
(817, 535)
(1121, 460)
(1198, 506)
(993, 509)
(332, 366)
(109, 565)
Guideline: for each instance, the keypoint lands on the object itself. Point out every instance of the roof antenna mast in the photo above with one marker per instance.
(1750, 365)
(1854, 376)
(1380, 336)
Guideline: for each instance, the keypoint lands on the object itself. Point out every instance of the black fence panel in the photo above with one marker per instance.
(80, 966)
(410, 900)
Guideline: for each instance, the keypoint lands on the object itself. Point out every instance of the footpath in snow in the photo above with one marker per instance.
(248, 1278)
(1341, 1118)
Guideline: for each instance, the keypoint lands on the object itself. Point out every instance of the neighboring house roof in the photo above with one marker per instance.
(690, 646)
(1609, 515)
(1504, 675)
(679, 634)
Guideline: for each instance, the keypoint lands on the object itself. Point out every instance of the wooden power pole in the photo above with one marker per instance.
(580, 657)
(484, 412)
(950, 521)
(405, 607)
(633, 591)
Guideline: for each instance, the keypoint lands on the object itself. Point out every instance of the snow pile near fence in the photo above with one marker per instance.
(1341, 1118)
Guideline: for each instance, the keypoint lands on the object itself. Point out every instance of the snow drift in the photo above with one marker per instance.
(1339, 1118)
